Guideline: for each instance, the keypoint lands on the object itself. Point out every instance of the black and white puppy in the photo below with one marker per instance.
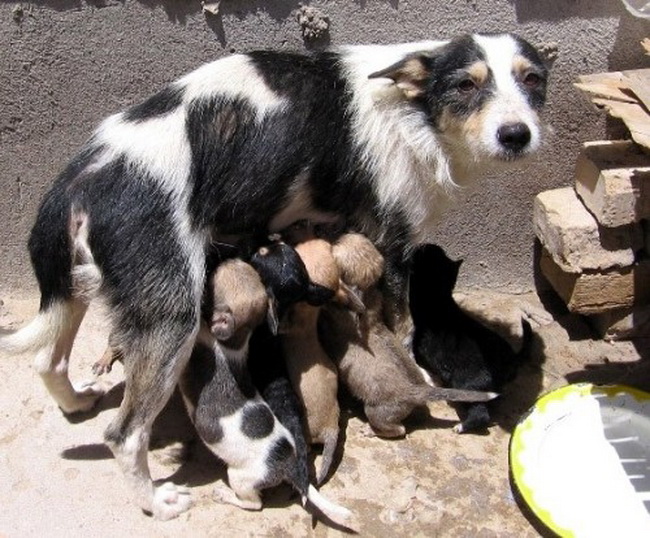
(375, 136)
(242, 431)
(453, 345)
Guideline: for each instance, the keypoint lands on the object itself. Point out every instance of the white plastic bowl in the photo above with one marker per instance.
(581, 460)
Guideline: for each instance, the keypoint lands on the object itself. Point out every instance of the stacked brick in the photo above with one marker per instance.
(595, 235)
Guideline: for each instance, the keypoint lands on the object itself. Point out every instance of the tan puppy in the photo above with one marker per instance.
(312, 373)
(372, 362)
(239, 305)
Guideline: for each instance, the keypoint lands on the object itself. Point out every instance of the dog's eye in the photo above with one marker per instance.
(532, 80)
(467, 85)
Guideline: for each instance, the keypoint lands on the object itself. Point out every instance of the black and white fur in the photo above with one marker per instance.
(376, 136)
(239, 427)
(269, 376)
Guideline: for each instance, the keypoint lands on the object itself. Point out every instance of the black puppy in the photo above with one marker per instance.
(285, 276)
(460, 350)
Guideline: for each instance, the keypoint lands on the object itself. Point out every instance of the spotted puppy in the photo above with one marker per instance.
(243, 432)
(239, 304)
(239, 307)
(376, 136)
(372, 363)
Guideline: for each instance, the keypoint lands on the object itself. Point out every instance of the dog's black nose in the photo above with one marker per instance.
(514, 136)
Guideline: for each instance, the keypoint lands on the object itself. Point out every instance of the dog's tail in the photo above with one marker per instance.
(458, 395)
(335, 513)
(330, 443)
(43, 330)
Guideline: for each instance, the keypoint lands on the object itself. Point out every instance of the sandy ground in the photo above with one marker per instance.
(59, 479)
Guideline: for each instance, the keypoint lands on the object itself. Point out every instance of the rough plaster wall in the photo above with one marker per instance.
(65, 64)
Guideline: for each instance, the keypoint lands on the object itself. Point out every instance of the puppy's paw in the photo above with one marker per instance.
(385, 431)
(367, 431)
(86, 395)
(224, 495)
(170, 500)
(458, 428)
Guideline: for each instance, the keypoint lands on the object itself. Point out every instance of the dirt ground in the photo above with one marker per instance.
(59, 479)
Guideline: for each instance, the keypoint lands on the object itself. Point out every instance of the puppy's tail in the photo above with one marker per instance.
(335, 513)
(330, 444)
(458, 395)
(44, 329)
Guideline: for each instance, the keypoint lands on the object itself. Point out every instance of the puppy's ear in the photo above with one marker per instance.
(350, 296)
(318, 295)
(223, 322)
(410, 74)
(272, 316)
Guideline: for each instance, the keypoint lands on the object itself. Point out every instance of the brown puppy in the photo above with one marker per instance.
(372, 363)
(312, 373)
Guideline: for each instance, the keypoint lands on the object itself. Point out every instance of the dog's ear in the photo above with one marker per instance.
(548, 53)
(318, 295)
(223, 322)
(410, 74)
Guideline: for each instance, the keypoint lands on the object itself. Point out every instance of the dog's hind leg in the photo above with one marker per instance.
(155, 334)
(152, 369)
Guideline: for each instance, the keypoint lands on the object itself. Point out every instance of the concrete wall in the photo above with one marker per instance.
(65, 64)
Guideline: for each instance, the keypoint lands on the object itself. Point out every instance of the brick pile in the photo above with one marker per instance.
(595, 234)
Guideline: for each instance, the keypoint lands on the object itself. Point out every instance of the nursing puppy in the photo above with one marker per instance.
(270, 378)
(243, 432)
(287, 281)
(300, 279)
(239, 304)
(453, 345)
(239, 307)
(312, 373)
(375, 136)
(371, 361)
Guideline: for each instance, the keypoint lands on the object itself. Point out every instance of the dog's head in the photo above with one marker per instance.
(481, 93)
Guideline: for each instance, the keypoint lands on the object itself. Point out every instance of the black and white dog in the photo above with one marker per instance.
(375, 136)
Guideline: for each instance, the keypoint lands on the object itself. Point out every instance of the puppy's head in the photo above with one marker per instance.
(433, 272)
(481, 93)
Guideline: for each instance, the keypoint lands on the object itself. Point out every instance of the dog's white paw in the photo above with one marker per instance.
(86, 395)
(170, 500)
(458, 428)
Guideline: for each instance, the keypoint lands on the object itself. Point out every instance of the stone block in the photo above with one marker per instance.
(597, 292)
(623, 324)
(613, 181)
(575, 240)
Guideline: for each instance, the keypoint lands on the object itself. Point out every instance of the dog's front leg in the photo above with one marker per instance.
(394, 286)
